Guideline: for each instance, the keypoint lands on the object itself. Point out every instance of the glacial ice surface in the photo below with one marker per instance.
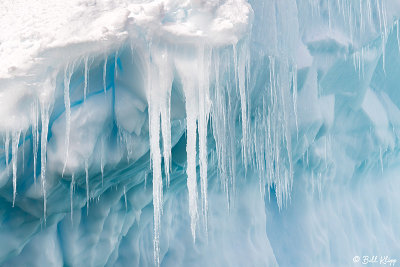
(199, 132)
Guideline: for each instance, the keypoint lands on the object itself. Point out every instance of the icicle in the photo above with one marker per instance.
(204, 111)
(23, 150)
(223, 121)
(369, 12)
(329, 16)
(362, 63)
(105, 75)
(45, 110)
(191, 154)
(166, 135)
(102, 161)
(351, 23)
(288, 177)
(240, 67)
(157, 183)
(86, 78)
(165, 86)
(384, 16)
(195, 89)
(219, 125)
(67, 102)
(14, 147)
(382, 24)
(159, 82)
(145, 180)
(116, 63)
(281, 79)
(87, 186)
(126, 202)
(7, 147)
(155, 154)
(71, 192)
(35, 136)
(132, 46)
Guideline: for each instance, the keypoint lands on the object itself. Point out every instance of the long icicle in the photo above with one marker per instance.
(164, 89)
(105, 75)
(67, 102)
(86, 78)
(87, 186)
(102, 161)
(155, 155)
(71, 192)
(14, 147)
(204, 58)
(159, 98)
(188, 73)
(240, 80)
(191, 126)
(45, 110)
(35, 135)
(23, 150)
(7, 147)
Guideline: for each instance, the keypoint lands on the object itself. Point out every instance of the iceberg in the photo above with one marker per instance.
(199, 133)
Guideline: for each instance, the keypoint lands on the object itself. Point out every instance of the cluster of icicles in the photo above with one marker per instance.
(39, 109)
(215, 86)
(199, 70)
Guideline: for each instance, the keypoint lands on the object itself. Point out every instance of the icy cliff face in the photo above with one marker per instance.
(199, 133)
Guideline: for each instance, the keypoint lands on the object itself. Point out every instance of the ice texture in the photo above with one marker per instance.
(199, 132)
